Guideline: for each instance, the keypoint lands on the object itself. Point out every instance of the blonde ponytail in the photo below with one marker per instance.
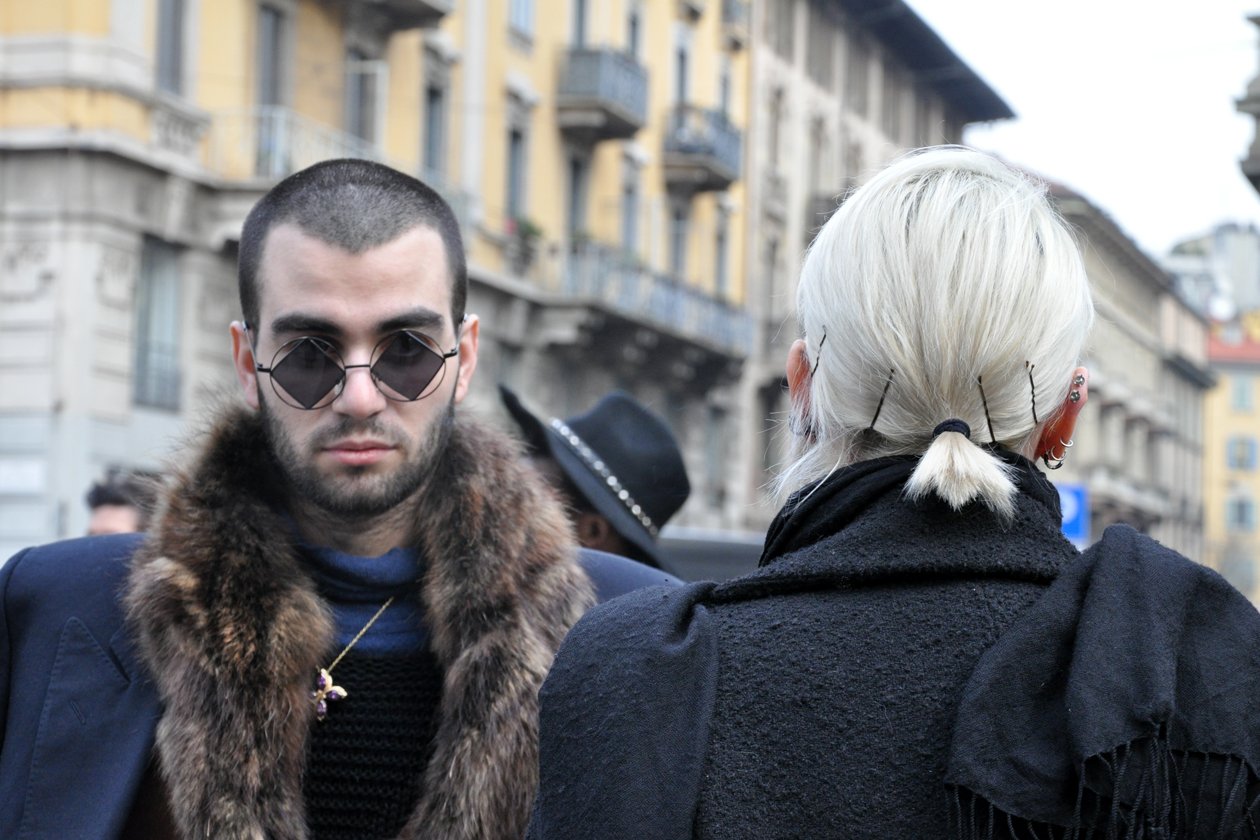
(959, 471)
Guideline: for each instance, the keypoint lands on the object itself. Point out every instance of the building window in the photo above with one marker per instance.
(724, 87)
(681, 60)
(890, 104)
(716, 458)
(634, 30)
(273, 159)
(516, 173)
(576, 222)
(855, 77)
(362, 78)
(781, 26)
(1240, 514)
(435, 119)
(720, 238)
(630, 209)
(579, 23)
(272, 23)
(776, 128)
(1240, 453)
(679, 221)
(521, 17)
(157, 380)
(170, 46)
(1242, 396)
(820, 48)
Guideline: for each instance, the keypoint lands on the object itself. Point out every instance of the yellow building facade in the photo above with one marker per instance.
(593, 152)
(1231, 465)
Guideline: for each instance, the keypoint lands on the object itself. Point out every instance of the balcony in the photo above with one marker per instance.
(604, 277)
(602, 95)
(735, 23)
(401, 15)
(251, 149)
(702, 150)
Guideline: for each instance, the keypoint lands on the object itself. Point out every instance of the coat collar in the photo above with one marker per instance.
(857, 527)
(232, 629)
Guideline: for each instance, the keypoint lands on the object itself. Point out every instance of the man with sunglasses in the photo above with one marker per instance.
(351, 592)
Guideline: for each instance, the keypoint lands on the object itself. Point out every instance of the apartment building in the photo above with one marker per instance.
(1141, 442)
(601, 203)
(1232, 473)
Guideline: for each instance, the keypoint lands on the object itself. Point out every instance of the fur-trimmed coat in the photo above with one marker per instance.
(232, 630)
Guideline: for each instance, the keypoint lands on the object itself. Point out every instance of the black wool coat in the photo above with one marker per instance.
(819, 696)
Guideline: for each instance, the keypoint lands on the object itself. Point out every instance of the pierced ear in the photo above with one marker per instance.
(798, 372)
(1059, 430)
(469, 336)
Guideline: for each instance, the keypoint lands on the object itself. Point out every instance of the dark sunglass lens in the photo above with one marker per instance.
(407, 365)
(308, 372)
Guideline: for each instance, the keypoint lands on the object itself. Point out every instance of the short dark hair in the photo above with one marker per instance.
(354, 205)
(126, 488)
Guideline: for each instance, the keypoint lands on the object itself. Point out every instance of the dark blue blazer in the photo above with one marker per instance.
(77, 709)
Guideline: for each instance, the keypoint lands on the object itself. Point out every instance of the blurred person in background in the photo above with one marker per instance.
(921, 653)
(122, 502)
(618, 468)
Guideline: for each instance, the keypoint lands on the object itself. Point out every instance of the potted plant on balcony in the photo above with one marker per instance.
(523, 236)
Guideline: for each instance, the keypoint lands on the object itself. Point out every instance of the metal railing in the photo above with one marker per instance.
(272, 141)
(705, 132)
(606, 76)
(601, 274)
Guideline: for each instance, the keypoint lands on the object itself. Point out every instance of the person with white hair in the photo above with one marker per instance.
(921, 652)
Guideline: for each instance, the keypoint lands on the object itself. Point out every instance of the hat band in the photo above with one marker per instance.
(601, 469)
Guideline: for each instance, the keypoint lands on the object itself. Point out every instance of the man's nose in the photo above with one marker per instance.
(359, 396)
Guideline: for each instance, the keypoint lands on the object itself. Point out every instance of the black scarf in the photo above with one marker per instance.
(1124, 703)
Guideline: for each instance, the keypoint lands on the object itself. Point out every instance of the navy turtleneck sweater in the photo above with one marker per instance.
(367, 757)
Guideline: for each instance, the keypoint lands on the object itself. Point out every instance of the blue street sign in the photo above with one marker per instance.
(1074, 499)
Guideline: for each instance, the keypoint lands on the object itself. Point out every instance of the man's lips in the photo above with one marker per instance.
(358, 452)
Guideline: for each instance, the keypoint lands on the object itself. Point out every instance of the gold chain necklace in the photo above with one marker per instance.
(324, 688)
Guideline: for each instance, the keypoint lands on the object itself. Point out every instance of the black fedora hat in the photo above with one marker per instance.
(621, 457)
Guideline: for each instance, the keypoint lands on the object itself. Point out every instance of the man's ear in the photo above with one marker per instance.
(243, 360)
(1057, 433)
(469, 335)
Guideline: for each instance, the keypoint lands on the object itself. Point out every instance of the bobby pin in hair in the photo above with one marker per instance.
(985, 402)
(1032, 388)
(818, 359)
(880, 407)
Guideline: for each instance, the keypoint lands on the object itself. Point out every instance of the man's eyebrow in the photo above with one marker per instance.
(421, 318)
(299, 323)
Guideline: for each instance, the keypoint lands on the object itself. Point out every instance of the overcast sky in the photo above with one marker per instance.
(1126, 102)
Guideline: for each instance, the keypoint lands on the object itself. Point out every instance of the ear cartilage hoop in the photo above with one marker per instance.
(985, 403)
(880, 407)
(1067, 445)
(1033, 390)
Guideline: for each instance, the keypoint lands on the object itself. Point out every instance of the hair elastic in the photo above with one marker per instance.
(952, 425)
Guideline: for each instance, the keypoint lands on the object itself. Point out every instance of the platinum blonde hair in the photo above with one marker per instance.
(946, 287)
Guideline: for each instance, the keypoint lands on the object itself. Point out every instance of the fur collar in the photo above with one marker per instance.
(233, 631)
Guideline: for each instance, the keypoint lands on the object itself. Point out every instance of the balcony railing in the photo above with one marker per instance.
(272, 141)
(603, 94)
(602, 275)
(702, 149)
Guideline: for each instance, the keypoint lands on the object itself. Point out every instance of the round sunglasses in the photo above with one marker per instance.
(308, 372)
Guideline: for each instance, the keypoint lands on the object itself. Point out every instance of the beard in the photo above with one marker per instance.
(358, 492)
